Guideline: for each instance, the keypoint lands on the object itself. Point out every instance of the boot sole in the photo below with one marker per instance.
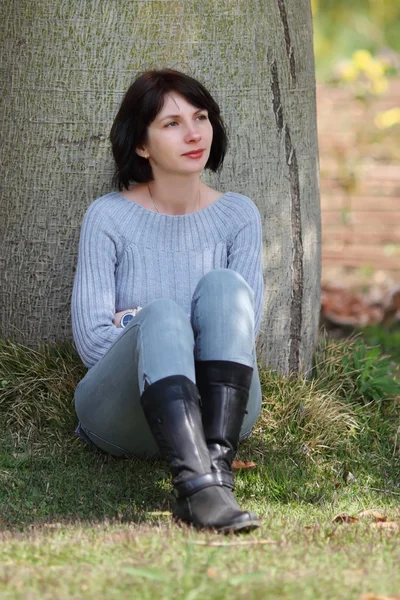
(240, 527)
(244, 527)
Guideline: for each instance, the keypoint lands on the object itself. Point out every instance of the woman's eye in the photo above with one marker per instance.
(202, 117)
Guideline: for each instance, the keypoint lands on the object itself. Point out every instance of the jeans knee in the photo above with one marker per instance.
(225, 281)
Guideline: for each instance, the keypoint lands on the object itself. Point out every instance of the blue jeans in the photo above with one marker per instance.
(160, 341)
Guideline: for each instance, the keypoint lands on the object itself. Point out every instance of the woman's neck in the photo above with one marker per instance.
(177, 197)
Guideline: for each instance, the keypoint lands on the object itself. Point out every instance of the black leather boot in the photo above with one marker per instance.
(171, 406)
(224, 389)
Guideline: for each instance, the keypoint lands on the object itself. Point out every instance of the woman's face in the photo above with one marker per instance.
(178, 128)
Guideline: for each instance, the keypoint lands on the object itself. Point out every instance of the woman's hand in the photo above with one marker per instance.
(118, 315)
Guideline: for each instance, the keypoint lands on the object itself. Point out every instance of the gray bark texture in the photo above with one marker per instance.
(65, 66)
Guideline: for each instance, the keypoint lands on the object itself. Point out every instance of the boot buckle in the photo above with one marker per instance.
(195, 484)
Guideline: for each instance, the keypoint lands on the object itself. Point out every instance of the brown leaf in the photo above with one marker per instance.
(372, 514)
(387, 525)
(344, 519)
(378, 597)
(243, 465)
(211, 572)
(312, 528)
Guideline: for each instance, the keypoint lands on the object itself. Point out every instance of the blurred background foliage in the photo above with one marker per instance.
(342, 27)
(357, 59)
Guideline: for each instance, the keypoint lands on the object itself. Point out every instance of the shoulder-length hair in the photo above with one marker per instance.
(142, 102)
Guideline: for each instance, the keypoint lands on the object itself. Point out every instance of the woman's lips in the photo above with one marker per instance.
(195, 154)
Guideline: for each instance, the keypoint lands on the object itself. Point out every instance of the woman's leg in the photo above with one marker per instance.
(157, 343)
(223, 323)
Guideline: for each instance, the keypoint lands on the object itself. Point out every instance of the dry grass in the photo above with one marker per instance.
(37, 387)
(329, 413)
(298, 410)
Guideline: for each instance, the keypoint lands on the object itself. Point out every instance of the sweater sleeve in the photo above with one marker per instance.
(93, 294)
(245, 257)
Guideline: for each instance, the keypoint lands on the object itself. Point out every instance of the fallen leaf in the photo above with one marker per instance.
(373, 514)
(315, 526)
(344, 519)
(387, 525)
(243, 465)
(212, 572)
(378, 597)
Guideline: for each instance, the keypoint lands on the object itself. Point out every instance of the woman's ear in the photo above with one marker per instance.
(142, 152)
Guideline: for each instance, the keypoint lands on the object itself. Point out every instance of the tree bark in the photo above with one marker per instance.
(65, 67)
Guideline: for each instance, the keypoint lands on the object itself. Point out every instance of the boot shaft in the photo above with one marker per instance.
(224, 388)
(172, 409)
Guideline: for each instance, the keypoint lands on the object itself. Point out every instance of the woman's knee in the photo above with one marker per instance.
(225, 281)
(164, 321)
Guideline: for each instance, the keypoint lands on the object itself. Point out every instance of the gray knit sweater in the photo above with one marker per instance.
(129, 256)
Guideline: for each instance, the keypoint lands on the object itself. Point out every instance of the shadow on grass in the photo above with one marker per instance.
(306, 442)
(70, 482)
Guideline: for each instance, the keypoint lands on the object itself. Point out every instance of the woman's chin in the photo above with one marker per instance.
(179, 171)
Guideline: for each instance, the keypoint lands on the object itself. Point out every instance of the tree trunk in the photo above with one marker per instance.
(65, 67)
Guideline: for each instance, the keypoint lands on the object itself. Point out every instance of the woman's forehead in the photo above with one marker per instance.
(174, 103)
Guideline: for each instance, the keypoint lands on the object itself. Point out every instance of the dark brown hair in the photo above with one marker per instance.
(141, 104)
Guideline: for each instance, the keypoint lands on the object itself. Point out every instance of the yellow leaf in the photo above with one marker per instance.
(388, 118)
(379, 85)
(347, 70)
(362, 59)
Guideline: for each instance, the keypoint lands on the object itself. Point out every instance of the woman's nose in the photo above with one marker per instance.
(192, 133)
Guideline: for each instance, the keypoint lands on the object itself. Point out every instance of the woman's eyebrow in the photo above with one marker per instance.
(176, 116)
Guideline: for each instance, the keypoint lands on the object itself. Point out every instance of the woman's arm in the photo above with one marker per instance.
(93, 295)
(245, 257)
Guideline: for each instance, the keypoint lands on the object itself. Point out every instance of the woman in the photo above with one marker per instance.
(167, 301)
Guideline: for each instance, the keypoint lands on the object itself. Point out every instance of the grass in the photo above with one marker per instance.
(300, 558)
(79, 524)
(388, 338)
